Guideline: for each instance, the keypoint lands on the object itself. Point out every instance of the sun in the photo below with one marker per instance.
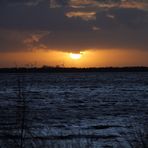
(75, 56)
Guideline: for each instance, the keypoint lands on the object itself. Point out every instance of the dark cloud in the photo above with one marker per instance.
(73, 24)
(20, 2)
(13, 40)
(139, 4)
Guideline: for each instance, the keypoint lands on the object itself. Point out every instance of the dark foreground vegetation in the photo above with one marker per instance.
(46, 69)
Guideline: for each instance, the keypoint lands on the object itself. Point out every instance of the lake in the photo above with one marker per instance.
(74, 110)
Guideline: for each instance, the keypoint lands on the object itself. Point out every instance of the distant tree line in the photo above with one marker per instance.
(46, 69)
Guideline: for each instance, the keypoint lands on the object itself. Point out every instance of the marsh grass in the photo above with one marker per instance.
(138, 138)
(141, 138)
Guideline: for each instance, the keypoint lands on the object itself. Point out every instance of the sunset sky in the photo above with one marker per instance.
(73, 33)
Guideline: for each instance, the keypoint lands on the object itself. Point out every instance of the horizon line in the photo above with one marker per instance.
(60, 67)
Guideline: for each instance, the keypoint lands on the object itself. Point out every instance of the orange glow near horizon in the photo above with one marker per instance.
(90, 58)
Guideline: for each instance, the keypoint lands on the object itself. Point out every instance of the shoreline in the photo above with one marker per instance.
(72, 70)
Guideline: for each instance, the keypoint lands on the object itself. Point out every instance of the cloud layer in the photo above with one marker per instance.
(70, 25)
(139, 4)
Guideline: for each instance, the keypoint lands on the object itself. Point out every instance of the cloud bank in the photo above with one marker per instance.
(73, 25)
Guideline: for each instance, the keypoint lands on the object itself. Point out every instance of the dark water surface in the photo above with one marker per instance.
(74, 110)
